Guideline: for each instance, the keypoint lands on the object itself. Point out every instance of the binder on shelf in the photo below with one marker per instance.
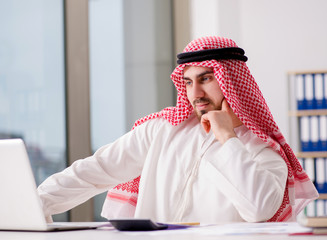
(316, 208)
(309, 91)
(318, 91)
(323, 132)
(314, 134)
(299, 85)
(305, 133)
(316, 169)
(320, 205)
(310, 209)
(320, 167)
(325, 90)
(309, 167)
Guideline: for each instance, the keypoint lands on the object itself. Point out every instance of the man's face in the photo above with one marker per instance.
(202, 89)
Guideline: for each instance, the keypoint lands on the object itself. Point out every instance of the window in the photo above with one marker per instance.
(32, 81)
(107, 75)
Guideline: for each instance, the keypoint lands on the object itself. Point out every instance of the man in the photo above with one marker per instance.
(216, 156)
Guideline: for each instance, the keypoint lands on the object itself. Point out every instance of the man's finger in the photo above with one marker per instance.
(205, 123)
(225, 106)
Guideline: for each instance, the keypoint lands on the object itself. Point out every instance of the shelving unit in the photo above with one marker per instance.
(312, 112)
(296, 112)
(323, 196)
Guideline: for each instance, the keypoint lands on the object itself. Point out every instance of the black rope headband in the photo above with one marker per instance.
(209, 54)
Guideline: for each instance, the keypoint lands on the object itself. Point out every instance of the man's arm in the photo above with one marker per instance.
(112, 164)
(253, 177)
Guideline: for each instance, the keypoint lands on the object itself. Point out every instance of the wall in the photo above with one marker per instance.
(148, 57)
(278, 36)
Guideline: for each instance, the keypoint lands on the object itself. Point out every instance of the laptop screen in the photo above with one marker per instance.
(20, 207)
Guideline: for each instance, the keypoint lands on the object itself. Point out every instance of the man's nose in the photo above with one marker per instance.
(197, 90)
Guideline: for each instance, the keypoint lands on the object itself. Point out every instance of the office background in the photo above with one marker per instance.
(76, 74)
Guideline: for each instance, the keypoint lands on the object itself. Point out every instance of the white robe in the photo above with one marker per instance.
(186, 175)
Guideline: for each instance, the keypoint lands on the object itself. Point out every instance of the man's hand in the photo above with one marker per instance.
(220, 122)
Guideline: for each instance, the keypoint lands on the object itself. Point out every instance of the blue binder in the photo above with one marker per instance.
(324, 77)
(321, 208)
(323, 133)
(305, 133)
(314, 142)
(320, 172)
(318, 91)
(299, 85)
(309, 91)
(309, 167)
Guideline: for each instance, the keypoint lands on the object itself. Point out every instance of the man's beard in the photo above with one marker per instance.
(202, 112)
(206, 101)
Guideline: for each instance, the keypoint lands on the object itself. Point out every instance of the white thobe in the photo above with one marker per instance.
(186, 175)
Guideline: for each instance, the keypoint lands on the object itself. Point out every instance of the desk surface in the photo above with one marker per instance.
(111, 235)
(185, 234)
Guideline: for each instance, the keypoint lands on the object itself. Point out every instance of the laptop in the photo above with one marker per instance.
(20, 206)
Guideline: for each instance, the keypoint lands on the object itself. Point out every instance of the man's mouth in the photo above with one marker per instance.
(202, 105)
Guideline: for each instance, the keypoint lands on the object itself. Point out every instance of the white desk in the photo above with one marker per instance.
(107, 234)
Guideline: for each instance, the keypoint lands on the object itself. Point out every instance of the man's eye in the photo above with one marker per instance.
(188, 82)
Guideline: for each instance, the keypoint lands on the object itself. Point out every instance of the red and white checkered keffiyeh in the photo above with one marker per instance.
(244, 97)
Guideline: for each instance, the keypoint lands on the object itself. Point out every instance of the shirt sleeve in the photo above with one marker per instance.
(112, 164)
(252, 176)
